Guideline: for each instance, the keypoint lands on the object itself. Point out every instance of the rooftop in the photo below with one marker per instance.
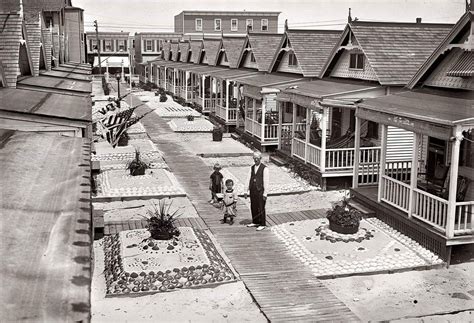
(230, 13)
(264, 79)
(263, 47)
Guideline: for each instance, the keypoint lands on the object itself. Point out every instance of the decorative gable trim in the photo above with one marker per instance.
(283, 43)
(245, 49)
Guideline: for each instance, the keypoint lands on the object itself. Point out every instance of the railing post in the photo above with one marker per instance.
(355, 176)
(174, 81)
(293, 127)
(186, 85)
(203, 91)
(324, 128)
(307, 134)
(414, 173)
(227, 87)
(383, 154)
(280, 123)
(453, 181)
(264, 108)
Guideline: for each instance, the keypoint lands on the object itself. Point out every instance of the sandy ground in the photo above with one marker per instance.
(224, 303)
(410, 294)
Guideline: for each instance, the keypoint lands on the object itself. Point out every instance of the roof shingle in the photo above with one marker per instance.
(264, 47)
(196, 46)
(184, 50)
(211, 46)
(233, 47)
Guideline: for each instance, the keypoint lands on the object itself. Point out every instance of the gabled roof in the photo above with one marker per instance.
(10, 46)
(263, 47)
(196, 47)
(311, 48)
(233, 48)
(211, 47)
(464, 22)
(174, 51)
(184, 48)
(395, 51)
(166, 50)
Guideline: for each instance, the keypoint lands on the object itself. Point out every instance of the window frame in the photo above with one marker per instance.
(252, 58)
(196, 27)
(108, 48)
(236, 24)
(262, 25)
(121, 43)
(356, 61)
(247, 24)
(94, 43)
(292, 60)
(215, 24)
(146, 45)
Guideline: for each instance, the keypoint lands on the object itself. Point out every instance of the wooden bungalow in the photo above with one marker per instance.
(360, 68)
(434, 201)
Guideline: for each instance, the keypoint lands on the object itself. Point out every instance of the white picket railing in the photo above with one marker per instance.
(430, 209)
(232, 114)
(339, 158)
(220, 111)
(271, 132)
(395, 193)
(298, 148)
(249, 125)
(464, 220)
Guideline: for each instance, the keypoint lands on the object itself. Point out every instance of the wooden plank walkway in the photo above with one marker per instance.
(281, 285)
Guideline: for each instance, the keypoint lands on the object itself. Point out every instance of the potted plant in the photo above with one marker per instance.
(190, 117)
(217, 133)
(137, 166)
(163, 97)
(123, 140)
(161, 222)
(344, 218)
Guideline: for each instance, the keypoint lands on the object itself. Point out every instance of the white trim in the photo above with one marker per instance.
(215, 24)
(262, 24)
(236, 24)
(196, 24)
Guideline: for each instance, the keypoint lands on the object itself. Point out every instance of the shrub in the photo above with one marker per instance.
(190, 117)
(161, 222)
(344, 215)
(137, 166)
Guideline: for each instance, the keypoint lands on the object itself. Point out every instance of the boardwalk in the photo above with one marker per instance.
(281, 285)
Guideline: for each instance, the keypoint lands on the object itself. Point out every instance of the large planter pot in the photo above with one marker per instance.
(343, 230)
(123, 141)
(217, 135)
(161, 235)
(137, 171)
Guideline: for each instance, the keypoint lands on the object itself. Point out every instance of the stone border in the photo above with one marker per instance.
(217, 272)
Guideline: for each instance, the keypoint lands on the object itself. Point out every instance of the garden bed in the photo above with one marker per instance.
(197, 125)
(174, 110)
(375, 248)
(135, 264)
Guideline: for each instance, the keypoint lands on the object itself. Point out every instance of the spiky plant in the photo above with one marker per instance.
(161, 222)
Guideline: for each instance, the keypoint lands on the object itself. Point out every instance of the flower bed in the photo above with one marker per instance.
(136, 264)
(375, 248)
(175, 111)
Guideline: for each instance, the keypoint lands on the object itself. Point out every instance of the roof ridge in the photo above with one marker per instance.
(326, 31)
(401, 23)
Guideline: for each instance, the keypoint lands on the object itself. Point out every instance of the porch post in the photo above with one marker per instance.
(293, 128)
(203, 91)
(383, 155)
(307, 134)
(174, 81)
(227, 86)
(186, 85)
(453, 182)
(254, 116)
(262, 138)
(414, 173)
(324, 130)
(355, 176)
(166, 81)
(280, 123)
(237, 121)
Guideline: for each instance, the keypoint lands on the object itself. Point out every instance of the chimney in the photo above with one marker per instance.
(418, 20)
(286, 24)
(349, 18)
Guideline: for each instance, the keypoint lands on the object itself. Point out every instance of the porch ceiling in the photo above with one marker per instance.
(71, 107)
(446, 108)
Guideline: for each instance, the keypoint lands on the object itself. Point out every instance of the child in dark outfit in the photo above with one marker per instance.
(216, 183)
(229, 203)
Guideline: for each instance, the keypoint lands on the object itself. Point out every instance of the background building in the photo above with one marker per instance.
(199, 23)
(115, 48)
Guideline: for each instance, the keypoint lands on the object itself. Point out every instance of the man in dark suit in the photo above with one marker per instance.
(258, 180)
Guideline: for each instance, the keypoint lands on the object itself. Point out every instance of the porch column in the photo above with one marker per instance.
(186, 78)
(383, 156)
(254, 116)
(227, 90)
(203, 91)
(324, 130)
(174, 81)
(414, 173)
(237, 121)
(453, 182)
(307, 134)
(355, 173)
(166, 80)
(262, 138)
(293, 127)
(280, 122)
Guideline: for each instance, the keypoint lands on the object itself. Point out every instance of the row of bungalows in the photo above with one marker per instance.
(45, 146)
(386, 108)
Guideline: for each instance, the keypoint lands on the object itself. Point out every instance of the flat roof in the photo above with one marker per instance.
(54, 83)
(233, 13)
(268, 79)
(209, 69)
(72, 69)
(82, 66)
(46, 234)
(439, 107)
(233, 73)
(71, 107)
(319, 88)
(67, 75)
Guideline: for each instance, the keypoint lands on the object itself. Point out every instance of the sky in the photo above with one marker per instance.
(158, 15)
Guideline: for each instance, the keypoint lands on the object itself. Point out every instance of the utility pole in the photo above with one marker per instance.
(98, 45)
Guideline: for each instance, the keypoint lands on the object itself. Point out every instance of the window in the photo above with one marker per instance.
(121, 45)
(133, 43)
(198, 23)
(372, 130)
(249, 24)
(217, 24)
(292, 61)
(93, 45)
(160, 44)
(148, 45)
(264, 24)
(356, 61)
(252, 58)
(225, 58)
(108, 45)
(234, 24)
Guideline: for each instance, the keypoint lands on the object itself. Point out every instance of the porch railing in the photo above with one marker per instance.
(189, 94)
(271, 132)
(339, 158)
(430, 208)
(298, 148)
(249, 125)
(232, 115)
(395, 193)
(221, 111)
(464, 221)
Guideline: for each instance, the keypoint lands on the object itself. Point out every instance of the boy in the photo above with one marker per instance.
(229, 203)
(216, 183)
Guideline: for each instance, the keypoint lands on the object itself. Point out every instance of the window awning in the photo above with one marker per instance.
(112, 61)
(464, 67)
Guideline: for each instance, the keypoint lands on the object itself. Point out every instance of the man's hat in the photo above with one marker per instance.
(217, 166)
